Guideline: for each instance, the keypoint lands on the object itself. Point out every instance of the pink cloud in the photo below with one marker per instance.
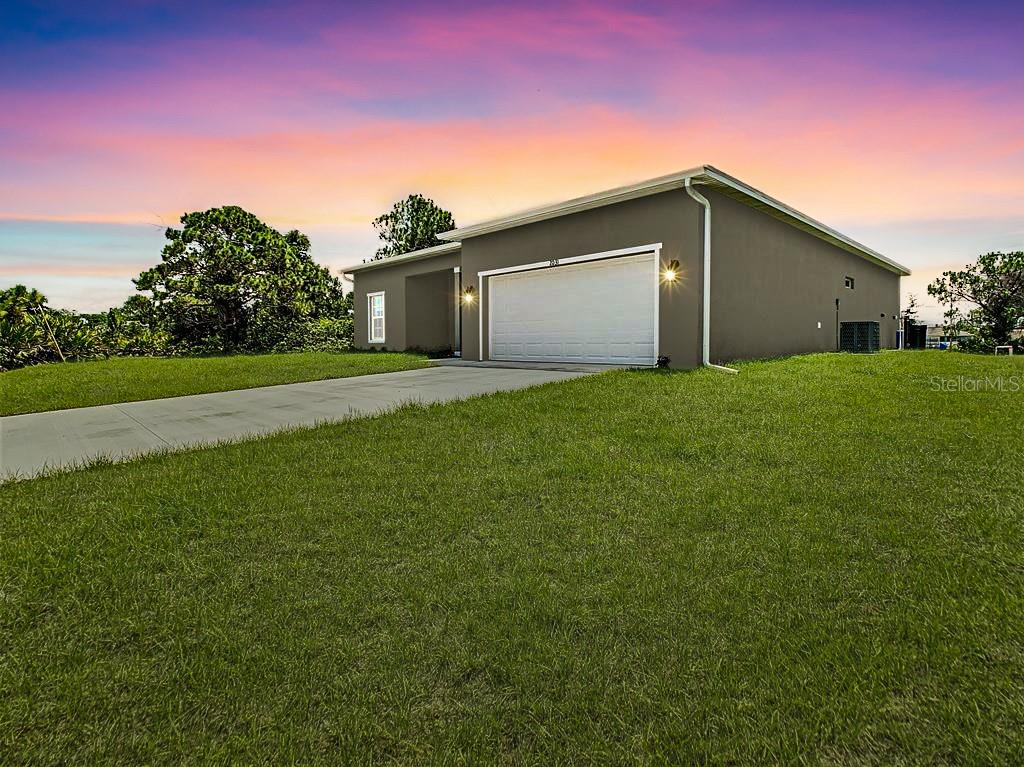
(899, 155)
(36, 269)
(587, 31)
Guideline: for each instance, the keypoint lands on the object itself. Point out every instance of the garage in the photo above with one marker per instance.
(596, 311)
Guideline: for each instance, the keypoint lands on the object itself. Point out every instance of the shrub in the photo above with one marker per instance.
(45, 335)
(323, 335)
(124, 332)
(19, 343)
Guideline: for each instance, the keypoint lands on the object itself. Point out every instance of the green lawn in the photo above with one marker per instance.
(125, 379)
(820, 559)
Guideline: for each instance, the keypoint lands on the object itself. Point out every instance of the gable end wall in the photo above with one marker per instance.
(771, 284)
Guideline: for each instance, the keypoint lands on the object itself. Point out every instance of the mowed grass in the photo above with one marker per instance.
(818, 560)
(127, 379)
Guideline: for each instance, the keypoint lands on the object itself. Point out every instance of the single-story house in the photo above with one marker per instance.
(696, 267)
(937, 336)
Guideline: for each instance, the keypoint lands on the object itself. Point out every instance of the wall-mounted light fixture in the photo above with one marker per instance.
(469, 295)
(671, 272)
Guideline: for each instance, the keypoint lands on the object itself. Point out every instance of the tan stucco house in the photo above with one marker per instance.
(696, 267)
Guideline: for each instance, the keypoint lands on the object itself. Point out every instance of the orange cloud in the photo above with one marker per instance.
(846, 167)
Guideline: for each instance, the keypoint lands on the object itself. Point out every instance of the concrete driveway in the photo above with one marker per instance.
(37, 442)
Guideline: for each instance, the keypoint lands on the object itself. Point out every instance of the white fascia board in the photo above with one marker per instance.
(416, 255)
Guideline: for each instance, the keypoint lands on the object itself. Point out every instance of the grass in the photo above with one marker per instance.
(819, 560)
(127, 379)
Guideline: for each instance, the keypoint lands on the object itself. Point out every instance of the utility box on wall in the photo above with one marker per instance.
(861, 337)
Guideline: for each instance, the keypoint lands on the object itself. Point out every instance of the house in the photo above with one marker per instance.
(622, 277)
(938, 337)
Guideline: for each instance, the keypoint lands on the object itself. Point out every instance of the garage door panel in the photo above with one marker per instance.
(601, 311)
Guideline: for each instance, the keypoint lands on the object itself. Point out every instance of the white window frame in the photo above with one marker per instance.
(370, 338)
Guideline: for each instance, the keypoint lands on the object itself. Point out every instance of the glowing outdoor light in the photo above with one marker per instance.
(671, 272)
(468, 295)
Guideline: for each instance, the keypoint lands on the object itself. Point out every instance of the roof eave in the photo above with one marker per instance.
(443, 249)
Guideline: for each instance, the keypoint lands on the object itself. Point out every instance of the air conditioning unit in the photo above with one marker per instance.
(861, 337)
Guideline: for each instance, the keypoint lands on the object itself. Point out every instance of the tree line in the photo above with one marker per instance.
(226, 283)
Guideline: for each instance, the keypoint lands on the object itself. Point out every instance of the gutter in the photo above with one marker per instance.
(706, 304)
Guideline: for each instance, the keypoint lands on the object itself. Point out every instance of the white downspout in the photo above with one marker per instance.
(706, 323)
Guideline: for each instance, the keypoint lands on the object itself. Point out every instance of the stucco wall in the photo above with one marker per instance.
(429, 319)
(671, 218)
(392, 280)
(771, 284)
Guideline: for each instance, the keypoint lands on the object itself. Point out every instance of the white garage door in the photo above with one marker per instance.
(599, 311)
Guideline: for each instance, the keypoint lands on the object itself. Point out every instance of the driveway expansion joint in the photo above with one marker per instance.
(121, 410)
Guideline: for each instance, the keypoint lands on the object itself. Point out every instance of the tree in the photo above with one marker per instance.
(226, 275)
(994, 288)
(31, 332)
(132, 329)
(312, 291)
(22, 336)
(909, 315)
(412, 224)
(17, 302)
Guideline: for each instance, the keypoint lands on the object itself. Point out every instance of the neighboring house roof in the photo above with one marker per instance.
(416, 255)
(935, 331)
(703, 174)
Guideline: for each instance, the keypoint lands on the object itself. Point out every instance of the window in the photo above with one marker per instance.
(375, 320)
(848, 282)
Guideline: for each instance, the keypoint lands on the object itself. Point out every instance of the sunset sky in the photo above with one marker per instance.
(902, 125)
